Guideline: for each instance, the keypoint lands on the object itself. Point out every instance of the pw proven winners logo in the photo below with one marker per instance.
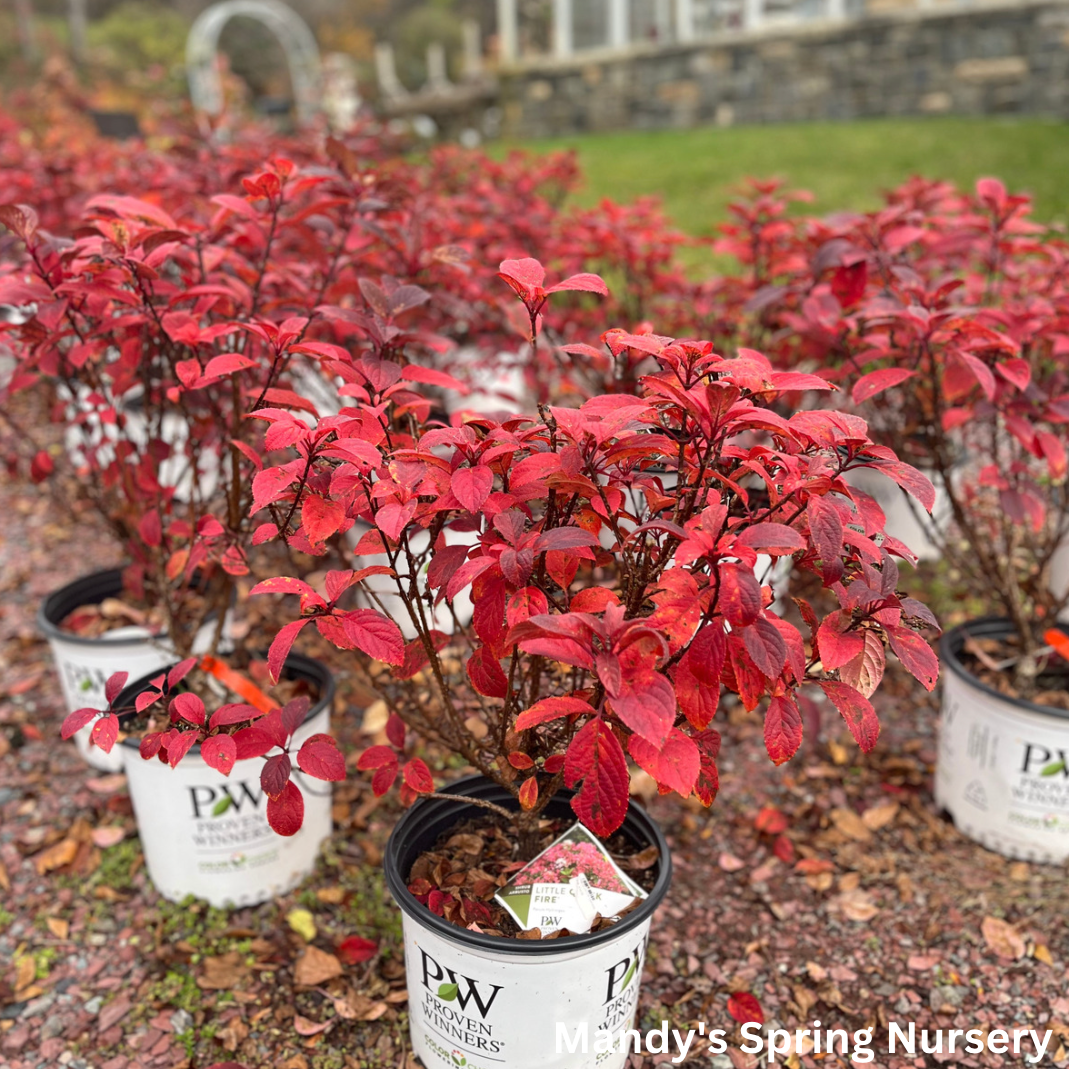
(456, 1009)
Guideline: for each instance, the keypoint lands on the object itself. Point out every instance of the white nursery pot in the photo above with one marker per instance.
(84, 664)
(993, 751)
(232, 857)
(511, 994)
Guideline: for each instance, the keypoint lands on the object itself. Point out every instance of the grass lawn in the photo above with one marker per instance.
(845, 165)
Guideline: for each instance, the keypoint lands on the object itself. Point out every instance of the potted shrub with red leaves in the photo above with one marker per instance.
(945, 316)
(611, 612)
(232, 794)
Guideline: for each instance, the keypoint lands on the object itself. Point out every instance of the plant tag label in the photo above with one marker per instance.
(569, 884)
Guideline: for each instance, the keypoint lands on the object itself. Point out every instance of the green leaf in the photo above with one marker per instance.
(86, 684)
(447, 992)
(1053, 768)
(630, 973)
(222, 805)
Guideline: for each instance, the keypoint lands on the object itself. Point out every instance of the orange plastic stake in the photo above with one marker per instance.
(1058, 641)
(239, 684)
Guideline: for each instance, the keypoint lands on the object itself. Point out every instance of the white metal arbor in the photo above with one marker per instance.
(297, 40)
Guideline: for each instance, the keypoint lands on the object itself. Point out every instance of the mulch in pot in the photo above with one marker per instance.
(459, 876)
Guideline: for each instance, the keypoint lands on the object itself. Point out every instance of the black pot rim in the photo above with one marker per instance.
(296, 664)
(951, 644)
(49, 612)
(479, 786)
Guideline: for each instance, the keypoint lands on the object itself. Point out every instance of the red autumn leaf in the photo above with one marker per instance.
(877, 381)
(353, 950)
(772, 538)
(551, 709)
(486, 675)
(379, 637)
(770, 821)
(105, 732)
(472, 486)
(915, 654)
(219, 752)
(233, 713)
(676, 764)
(595, 758)
(826, 530)
(189, 707)
(783, 848)
(149, 528)
(113, 687)
(275, 775)
(285, 813)
(280, 648)
(838, 643)
(179, 672)
(178, 744)
(41, 466)
(320, 757)
(647, 706)
(417, 775)
(376, 757)
(395, 731)
(813, 866)
(745, 1009)
(740, 594)
(383, 779)
(783, 728)
(528, 795)
(584, 282)
(856, 710)
(320, 518)
(75, 721)
(520, 761)
(394, 517)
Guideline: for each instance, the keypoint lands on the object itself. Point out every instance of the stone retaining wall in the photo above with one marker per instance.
(981, 60)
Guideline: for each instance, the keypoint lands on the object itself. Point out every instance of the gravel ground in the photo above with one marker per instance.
(827, 889)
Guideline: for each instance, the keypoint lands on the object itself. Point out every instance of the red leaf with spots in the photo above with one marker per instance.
(595, 759)
(219, 752)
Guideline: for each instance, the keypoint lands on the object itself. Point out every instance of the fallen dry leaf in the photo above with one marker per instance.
(817, 973)
(107, 784)
(851, 825)
(730, 863)
(223, 972)
(108, 836)
(233, 1034)
(305, 1027)
(855, 905)
(55, 857)
(316, 966)
(5, 880)
(375, 717)
(906, 889)
(58, 927)
(303, 923)
(879, 816)
(331, 896)
(1041, 953)
(25, 973)
(356, 1007)
(1002, 938)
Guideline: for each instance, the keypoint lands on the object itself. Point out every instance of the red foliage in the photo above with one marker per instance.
(945, 318)
(610, 563)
